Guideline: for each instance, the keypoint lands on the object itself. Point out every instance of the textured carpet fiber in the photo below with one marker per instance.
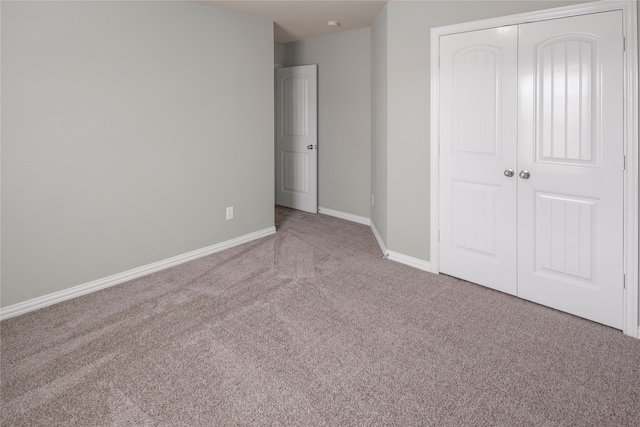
(311, 327)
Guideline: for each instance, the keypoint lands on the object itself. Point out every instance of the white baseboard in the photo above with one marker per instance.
(410, 261)
(383, 248)
(116, 279)
(344, 215)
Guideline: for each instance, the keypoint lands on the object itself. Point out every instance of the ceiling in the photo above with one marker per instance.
(302, 19)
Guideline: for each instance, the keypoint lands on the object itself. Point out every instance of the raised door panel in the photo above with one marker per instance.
(476, 222)
(295, 114)
(295, 172)
(567, 80)
(476, 84)
(566, 238)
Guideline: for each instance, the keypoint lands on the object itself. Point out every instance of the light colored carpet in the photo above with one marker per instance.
(311, 327)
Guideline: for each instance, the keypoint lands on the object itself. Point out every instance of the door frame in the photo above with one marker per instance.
(631, 321)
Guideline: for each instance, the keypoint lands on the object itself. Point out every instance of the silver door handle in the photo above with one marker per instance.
(309, 147)
(524, 174)
(508, 173)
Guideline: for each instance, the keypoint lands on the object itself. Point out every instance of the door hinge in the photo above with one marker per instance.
(624, 44)
(624, 162)
(624, 281)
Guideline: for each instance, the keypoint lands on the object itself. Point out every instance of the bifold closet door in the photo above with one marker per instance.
(531, 162)
(478, 133)
(570, 209)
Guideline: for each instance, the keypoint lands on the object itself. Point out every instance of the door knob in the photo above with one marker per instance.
(309, 147)
(508, 172)
(524, 174)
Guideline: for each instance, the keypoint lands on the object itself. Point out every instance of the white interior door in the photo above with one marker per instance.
(478, 134)
(544, 99)
(297, 138)
(570, 209)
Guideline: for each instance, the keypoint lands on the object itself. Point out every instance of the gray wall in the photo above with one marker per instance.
(278, 53)
(127, 128)
(379, 124)
(344, 116)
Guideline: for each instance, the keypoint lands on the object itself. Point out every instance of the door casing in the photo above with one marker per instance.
(629, 11)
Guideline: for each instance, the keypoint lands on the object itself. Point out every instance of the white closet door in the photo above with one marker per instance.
(478, 110)
(297, 137)
(570, 208)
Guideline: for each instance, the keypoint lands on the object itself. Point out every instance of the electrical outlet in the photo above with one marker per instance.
(373, 200)
(230, 212)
